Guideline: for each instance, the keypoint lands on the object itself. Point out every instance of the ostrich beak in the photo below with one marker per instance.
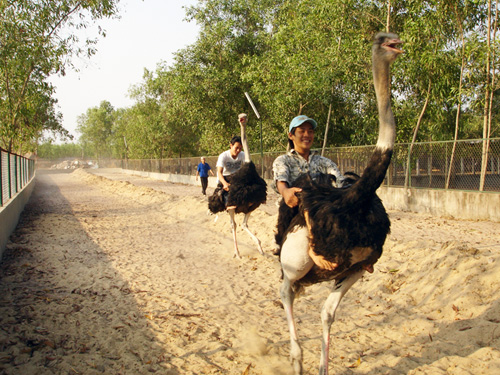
(393, 45)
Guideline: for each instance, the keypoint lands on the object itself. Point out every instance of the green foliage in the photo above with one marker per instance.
(96, 127)
(430, 68)
(49, 150)
(291, 56)
(33, 46)
(318, 55)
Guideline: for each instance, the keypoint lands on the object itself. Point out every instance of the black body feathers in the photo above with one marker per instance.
(340, 219)
(247, 191)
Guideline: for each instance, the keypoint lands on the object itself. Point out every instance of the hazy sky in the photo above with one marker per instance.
(148, 32)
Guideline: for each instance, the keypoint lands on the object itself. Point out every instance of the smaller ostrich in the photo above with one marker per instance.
(247, 191)
(347, 226)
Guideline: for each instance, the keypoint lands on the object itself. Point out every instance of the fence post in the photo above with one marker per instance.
(9, 176)
(16, 175)
(1, 179)
(408, 168)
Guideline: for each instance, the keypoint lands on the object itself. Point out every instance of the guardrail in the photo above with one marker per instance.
(16, 172)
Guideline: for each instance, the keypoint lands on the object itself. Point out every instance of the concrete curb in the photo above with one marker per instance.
(458, 204)
(10, 213)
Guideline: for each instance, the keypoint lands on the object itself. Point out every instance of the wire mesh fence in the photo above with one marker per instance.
(432, 165)
(16, 172)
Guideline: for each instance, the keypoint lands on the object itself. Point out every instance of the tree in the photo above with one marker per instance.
(307, 56)
(207, 77)
(38, 38)
(318, 62)
(49, 150)
(161, 127)
(96, 127)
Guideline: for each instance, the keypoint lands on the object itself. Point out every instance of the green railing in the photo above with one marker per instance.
(16, 172)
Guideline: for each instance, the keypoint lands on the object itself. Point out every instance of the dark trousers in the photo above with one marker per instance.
(204, 184)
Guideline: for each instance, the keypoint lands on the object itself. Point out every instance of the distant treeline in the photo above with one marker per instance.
(311, 57)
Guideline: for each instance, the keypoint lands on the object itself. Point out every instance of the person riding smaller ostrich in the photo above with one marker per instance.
(240, 188)
(331, 227)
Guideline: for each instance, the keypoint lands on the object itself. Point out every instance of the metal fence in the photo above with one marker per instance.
(432, 165)
(16, 172)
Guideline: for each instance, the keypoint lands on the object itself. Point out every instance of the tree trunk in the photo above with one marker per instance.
(484, 155)
(326, 128)
(490, 106)
(451, 171)
(325, 138)
(388, 19)
(408, 163)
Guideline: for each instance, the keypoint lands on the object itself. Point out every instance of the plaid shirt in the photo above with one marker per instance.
(290, 166)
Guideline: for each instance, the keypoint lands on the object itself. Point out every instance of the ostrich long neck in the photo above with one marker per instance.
(387, 128)
(374, 173)
(244, 143)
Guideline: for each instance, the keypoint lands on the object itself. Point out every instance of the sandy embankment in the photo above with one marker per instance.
(115, 277)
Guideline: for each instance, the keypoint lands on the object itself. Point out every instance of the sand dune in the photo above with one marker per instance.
(115, 274)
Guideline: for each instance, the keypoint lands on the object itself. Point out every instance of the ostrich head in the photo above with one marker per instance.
(385, 47)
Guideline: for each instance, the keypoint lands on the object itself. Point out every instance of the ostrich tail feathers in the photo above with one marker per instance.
(216, 204)
(216, 201)
(247, 190)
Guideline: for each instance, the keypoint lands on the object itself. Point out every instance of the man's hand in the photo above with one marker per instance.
(289, 196)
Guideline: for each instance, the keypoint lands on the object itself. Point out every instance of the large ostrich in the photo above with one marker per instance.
(347, 226)
(247, 191)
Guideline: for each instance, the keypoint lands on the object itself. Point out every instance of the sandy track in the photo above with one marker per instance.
(115, 274)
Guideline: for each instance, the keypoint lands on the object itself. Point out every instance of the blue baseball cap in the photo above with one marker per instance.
(299, 120)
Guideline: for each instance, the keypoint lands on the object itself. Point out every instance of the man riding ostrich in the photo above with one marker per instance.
(337, 233)
(240, 192)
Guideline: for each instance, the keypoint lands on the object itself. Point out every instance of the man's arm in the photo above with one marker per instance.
(281, 173)
(221, 178)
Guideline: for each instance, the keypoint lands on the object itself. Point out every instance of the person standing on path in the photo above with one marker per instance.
(202, 171)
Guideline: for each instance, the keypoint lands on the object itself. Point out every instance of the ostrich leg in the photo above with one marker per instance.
(244, 225)
(295, 264)
(328, 315)
(231, 212)
(287, 297)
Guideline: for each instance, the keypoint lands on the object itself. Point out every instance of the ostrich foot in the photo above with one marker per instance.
(297, 365)
(259, 247)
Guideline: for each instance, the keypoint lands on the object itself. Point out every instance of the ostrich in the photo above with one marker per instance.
(247, 191)
(347, 225)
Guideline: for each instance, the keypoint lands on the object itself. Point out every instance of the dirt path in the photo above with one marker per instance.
(116, 274)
